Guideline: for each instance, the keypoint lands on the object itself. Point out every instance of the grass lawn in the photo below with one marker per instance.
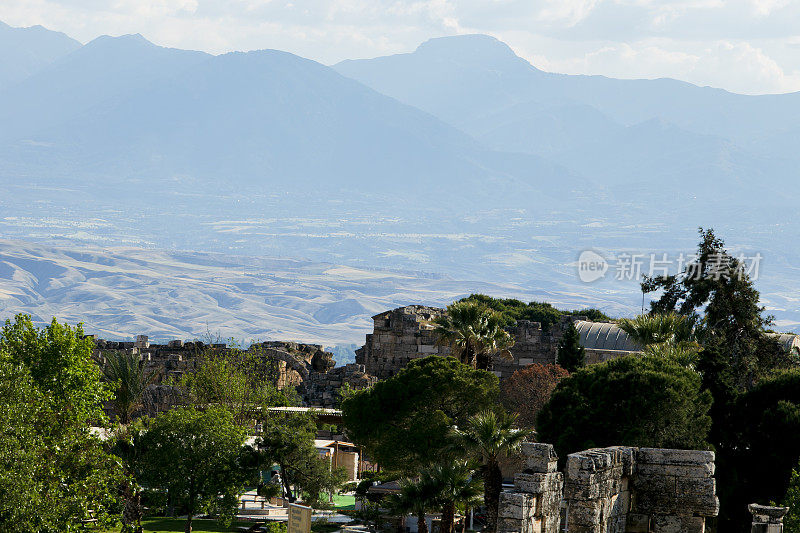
(344, 501)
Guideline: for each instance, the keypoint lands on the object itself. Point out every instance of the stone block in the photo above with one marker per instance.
(638, 523)
(585, 513)
(645, 470)
(539, 457)
(516, 505)
(662, 456)
(677, 524)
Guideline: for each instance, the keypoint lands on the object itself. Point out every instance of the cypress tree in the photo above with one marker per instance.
(571, 355)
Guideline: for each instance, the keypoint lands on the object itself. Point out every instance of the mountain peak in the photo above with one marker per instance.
(129, 39)
(477, 46)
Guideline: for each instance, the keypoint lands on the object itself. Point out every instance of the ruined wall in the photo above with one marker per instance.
(399, 336)
(305, 367)
(532, 344)
(323, 389)
(613, 490)
(534, 504)
(406, 333)
(640, 490)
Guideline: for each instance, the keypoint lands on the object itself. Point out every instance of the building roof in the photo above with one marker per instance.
(789, 341)
(605, 336)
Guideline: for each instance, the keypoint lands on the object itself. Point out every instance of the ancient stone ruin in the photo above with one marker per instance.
(307, 368)
(767, 519)
(611, 490)
(407, 333)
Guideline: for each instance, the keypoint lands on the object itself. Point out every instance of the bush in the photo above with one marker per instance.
(632, 401)
(529, 389)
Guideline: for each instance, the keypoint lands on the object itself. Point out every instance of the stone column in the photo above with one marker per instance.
(534, 506)
(767, 519)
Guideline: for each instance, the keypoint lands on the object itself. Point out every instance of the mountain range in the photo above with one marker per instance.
(458, 159)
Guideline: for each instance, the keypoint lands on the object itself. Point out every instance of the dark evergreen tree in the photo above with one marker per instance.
(636, 400)
(571, 354)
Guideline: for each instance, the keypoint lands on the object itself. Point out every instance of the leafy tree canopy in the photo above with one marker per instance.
(403, 422)
(528, 389)
(49, 391)
(715, 291)
(512, 310)
(199, 457)
(791, 523)
(634, 401)
(127, 375)
(237, 380)
(288, 441)
(59, 359)
(474, 333)
(769, 439)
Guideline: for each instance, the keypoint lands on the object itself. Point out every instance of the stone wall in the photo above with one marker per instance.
(534, 504)
(323, 389)
(406, 333)
(305, 367)
(399, 336)
(612, 490)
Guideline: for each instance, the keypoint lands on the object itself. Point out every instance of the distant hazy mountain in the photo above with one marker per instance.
(617, 131)
(123, 107)
(464, 79)
(459, 160)
(99, 75)
(23, 51)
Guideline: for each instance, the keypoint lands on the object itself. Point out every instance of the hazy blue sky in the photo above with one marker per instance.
(750, 46)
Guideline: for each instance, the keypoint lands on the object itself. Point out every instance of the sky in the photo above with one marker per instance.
(745, 46)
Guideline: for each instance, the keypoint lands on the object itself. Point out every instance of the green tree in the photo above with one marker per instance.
(658, 328)
(49, 391)
(512, 310)
(474, 333)
(791, 523)
(130, 380)
(488, 437)
(666, 335)
(417, 496)
(59, 359)
(198, 457)
(288, 441)
(716, 292)
(633, 401)
(571, 354)
(768, 437)
(403, 422)
(455, 484)
(237, 380)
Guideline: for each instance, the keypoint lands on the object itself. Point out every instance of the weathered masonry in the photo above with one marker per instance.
(611, 490)
(407, 333)
(307, 368)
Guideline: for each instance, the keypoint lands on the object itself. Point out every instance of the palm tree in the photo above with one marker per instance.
(667, 335)
(417, 497)
(474, 333)
(658, 328)
(128, 372)
(454, 484)
(488, 437)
